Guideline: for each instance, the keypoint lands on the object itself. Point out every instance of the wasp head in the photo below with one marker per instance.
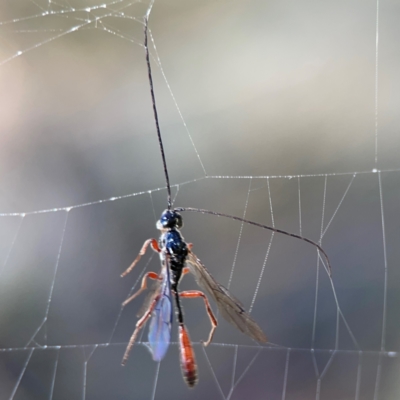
(170, 219)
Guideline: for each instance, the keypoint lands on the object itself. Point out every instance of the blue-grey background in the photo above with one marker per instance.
(266, 88)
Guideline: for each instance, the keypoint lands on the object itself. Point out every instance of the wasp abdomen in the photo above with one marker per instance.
(188, 361)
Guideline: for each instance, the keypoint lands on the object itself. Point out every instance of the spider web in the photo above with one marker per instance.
(287, 116)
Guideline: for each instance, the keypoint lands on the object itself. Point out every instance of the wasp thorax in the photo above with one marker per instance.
(170, 219)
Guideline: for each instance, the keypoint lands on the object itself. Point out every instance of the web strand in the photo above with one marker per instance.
(376, 80)
(12, 245)
(176, 105)
(53, 380)
(285, 376)
(21, 374)
(384, 311)
(239, 238)
(299, 192)
(267, 253)
(383, 336)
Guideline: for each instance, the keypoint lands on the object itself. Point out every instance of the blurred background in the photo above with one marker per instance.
(293, 112)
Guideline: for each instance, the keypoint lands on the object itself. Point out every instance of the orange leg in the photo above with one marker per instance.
(139, 326)
(143, 286)
(154, 246)
(213, 320)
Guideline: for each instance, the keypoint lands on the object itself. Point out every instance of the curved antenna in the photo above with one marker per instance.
(270, 228)
(153, 99)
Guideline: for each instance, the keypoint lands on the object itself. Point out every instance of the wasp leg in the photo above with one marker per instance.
(213, 320)
(143, 286)
(154, 246)
(139, 325)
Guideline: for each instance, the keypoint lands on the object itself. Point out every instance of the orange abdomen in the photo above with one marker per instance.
(188, 361)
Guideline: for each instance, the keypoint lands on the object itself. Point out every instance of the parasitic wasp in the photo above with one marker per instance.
(177, 259)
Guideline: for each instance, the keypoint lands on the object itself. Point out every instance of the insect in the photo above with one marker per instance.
(177, 259)
(175, 253)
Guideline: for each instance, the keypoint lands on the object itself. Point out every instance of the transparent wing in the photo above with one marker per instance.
(160, 328)
(161, 319)
(229, 307)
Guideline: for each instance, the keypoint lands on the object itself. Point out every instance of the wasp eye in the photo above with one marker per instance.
(178, 220)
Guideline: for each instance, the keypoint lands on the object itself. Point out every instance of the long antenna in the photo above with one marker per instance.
(153, 99)
(270, 228)
(146, 19)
